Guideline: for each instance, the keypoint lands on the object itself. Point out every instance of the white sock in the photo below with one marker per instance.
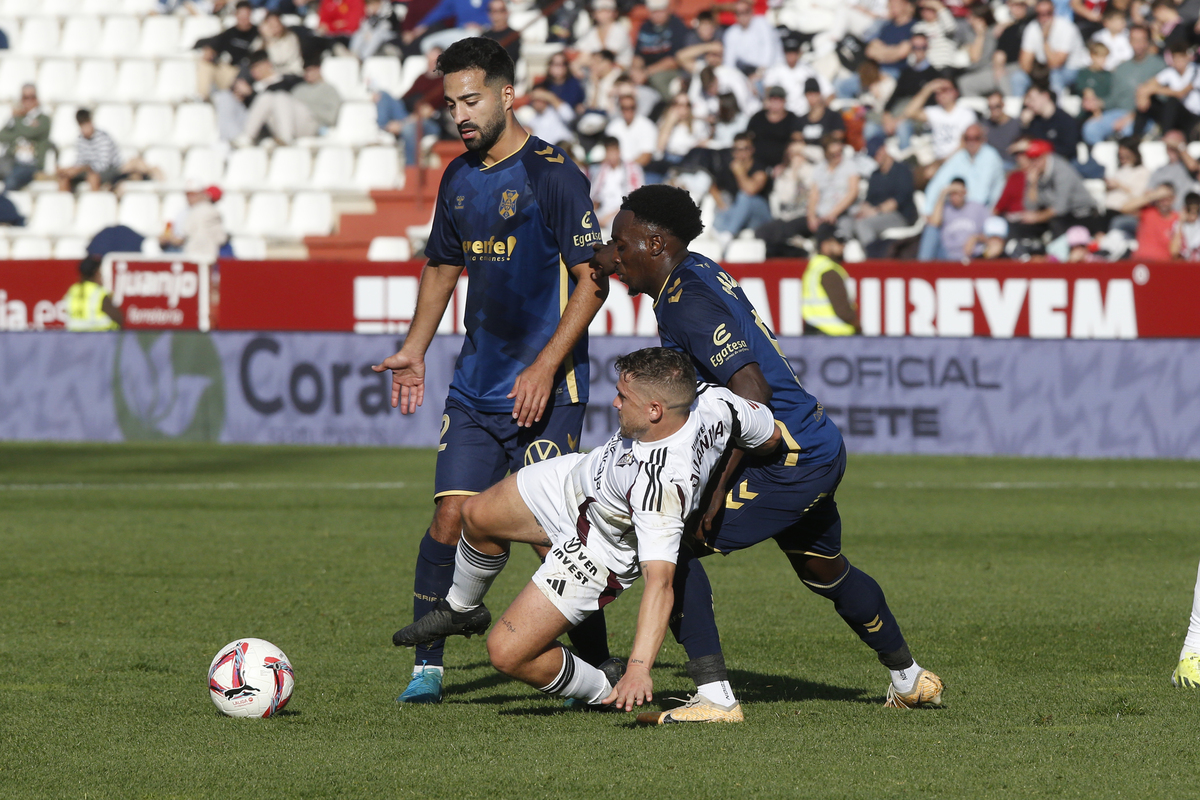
(473, 575)
(720, 692)
(418, 668)
(577, 678)
(905, 679)
(1191, 644)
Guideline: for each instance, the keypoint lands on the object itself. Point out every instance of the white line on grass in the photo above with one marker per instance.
(224, 486)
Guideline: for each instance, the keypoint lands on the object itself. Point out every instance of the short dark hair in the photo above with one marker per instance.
(744, 136)
(668, 372)
(607, 55)
(244, 4)
(83, 115)
(666, 207)
(957, 180)
(89, 265)
(477, 52)
(610, 141)
(258, 56)
(1191, 199)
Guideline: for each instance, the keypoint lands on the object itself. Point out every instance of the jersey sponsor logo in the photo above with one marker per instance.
(491, 249)
(727, 352)
(583, 239)
(586, 224)
(541, 450)
(721, 336)
(458, 203)
(508, 202)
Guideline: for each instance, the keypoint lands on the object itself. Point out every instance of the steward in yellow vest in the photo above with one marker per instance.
(89, 306)
(826, 303)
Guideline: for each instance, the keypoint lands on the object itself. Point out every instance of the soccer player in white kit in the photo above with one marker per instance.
(609, 516)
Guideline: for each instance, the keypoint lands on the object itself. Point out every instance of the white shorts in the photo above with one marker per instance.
(573, 579)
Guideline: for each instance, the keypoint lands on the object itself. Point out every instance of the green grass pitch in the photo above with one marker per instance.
(1052, 596)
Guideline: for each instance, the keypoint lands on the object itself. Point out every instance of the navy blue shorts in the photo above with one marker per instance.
(793, 505)
(478, 449)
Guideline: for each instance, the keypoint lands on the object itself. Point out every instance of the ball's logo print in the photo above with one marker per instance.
(508, 202)
(541, 450)
(168, 385)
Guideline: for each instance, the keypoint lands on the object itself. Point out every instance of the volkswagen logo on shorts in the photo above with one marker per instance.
(540, 450)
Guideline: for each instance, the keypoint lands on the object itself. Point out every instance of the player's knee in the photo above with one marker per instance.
(447, 522)
(471, 520)
(501, 654)
(823, 571)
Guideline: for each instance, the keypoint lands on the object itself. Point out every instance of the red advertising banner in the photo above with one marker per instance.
(32, 292)
(896, 298)
(158, 292)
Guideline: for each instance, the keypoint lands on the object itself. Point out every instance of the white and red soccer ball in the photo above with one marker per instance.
(250, 678)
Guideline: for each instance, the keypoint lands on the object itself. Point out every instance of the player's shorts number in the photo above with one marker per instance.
(442, 435)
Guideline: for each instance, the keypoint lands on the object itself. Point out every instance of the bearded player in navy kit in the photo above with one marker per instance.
(515, 212)
(789, 497)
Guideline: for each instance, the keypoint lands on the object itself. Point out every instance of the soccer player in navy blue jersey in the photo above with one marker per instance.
(789, 497)
(515, 213)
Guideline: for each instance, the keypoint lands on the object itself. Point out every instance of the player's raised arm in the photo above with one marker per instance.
(636, 687)
(408, 365)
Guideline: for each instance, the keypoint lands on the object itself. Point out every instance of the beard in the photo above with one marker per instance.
(487, 136)
(629, 431)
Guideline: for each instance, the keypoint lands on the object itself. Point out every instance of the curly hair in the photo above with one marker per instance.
(668, 374)
(476, 52)
(668, 208)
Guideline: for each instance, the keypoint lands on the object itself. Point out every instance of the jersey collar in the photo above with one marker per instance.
(518, 151)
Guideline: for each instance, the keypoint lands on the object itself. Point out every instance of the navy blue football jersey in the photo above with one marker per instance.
(516, 226)
(703, 312)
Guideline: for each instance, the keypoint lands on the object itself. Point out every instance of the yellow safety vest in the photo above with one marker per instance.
(817, 309)
(84, 308)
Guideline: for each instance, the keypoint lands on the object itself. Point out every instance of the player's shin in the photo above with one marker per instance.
(434, 574)
(694, 625)
(859, 600)
(474, 573)
(577, 678)
(590, 639)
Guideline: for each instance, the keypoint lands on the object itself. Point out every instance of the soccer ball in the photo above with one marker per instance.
(250, 678)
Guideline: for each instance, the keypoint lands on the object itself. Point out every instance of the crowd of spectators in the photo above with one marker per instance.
(917, 128)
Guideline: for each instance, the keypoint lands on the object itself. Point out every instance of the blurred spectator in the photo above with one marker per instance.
(1052, 43)
(1180, 169)
(984, 73)
(470, 19)
(609, 32)
(274, 105)
(1129, 180)
(648, 98)
(947, 119)
(564, 85)
(602, 77)
(89, 305)
(773, 128)
(1088, 16)
(915, 75)
(878, 89)
(415, 115)
(1157, 237)
(1056, 198)
(1002, 130)
(1008, 42)
(741, 190)
(679, 132)
(281, 45)
(979, 166)
(793, 74)
(789, 204)
(339, 19)
(1119, 108)
(1043, 119)
(658, 39)
(223, 55)
(379, 28)
(728, 123)
(612, 179)
(1169, 27)
(835, 187)
(889, 200)
(322, 98)
(98, 160)
(1171, 97)
(827, 308)
(1079, 245)
(498, 29)
(957, 220)
(199, 233)
(548, 117)
(636, 133)
(3, 42)
(1096, 78)
(751, 44)
(24, 141)
(705, 30)
(711, 78)
(9, 215)
(410, 40)
(938, 25)
(1114, 36)
(1188, 246)
(991, 242)
(892, 44)
(820, 121)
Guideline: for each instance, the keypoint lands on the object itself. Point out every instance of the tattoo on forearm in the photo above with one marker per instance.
(636, 661)
(504, 621)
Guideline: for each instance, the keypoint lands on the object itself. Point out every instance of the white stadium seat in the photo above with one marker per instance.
(174, 204)
(382, 73)
(138, 6)
(100, 7)
(93, 211)
(389, 248)
(167, 159)
(56, 80)
(5, 249)
(249, 248)
(15, 72)
(746, 251)
(247, 169)
(203, 165)
(152, 124)
(378, 168)
(68, 156)
(97, 78)
(342, 73)
(1154, 155)
(115, 119)
(290, 168)
(267, 214)
(52, 211)
(70, 247)
(334, 167)
(195, 123)
(55, 8)
(64, 130)
(195, 28)
(80, 36)
(356, 125)
(6, 112)
(312, 214)
(119, 38)
(135, 80)
(412, 68)
(176, 80)
(1105, 154)
(39, 37)
(140, 211)
(31, 247)
(160, 36)
(23, 200)
(233, 211)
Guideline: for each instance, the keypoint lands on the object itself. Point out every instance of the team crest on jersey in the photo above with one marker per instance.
(625, 460)
(541, 450)
(508, 201)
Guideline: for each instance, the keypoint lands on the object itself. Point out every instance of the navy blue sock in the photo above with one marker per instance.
(590, 639)
(692, 618)
(859, 600)
(435, 573)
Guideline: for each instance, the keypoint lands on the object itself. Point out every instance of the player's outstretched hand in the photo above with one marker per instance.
(530, 393)
(603, 262)
(634, 688)
(408, 381)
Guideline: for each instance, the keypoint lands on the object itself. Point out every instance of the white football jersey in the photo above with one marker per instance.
(630, 499)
